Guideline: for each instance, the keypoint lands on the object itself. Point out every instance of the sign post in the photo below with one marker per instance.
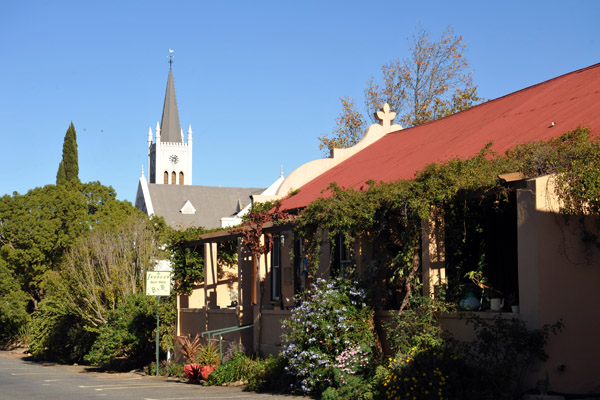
(158, 283)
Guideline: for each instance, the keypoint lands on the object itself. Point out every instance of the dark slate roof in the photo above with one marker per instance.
(539, 112)
(170, 130)
(211, 203)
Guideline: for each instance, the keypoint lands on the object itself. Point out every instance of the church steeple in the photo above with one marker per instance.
(169, 125)
(169, 156)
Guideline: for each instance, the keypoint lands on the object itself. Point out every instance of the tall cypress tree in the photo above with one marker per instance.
(68, 169)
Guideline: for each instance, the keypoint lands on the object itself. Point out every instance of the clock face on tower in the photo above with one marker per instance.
(173, 158)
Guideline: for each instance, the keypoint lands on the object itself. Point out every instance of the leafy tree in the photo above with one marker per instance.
(37, 228)
(98, 274)
(105, 266)
(13, 303)
(431, 83)
(68, 169)
(349, 129)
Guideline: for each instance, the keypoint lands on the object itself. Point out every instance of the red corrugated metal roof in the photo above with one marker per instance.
(569, 101)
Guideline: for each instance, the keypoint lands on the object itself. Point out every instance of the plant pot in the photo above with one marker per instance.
(469, 303)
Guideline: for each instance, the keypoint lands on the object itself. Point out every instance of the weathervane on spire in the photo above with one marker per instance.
(171, 58)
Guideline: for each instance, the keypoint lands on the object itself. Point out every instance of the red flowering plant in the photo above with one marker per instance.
(189, 349)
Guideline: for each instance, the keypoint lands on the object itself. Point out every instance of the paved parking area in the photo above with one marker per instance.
(27, 380)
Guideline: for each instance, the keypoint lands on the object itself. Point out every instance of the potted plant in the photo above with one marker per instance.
(189, 349)
(487, 292)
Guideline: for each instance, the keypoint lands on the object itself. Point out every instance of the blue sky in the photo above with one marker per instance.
(258, 81)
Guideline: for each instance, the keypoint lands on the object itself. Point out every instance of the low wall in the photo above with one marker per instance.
(455, 323)
(192, 321)
(270, 332)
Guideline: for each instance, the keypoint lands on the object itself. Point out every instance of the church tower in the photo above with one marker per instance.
(169, 157)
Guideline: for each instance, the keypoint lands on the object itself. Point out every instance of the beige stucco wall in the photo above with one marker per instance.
(558, 278)
(197, 298)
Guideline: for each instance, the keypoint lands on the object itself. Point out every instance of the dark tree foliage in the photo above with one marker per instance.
(68, 169)
(37, 228)
(13, 303)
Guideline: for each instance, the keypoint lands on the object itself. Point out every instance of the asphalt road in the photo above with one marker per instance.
(27, 380)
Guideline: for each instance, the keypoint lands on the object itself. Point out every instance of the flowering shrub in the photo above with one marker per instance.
(331, 331)
(352, 361)
(431, 373)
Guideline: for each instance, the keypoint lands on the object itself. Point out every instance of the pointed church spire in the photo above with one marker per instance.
(169, 125)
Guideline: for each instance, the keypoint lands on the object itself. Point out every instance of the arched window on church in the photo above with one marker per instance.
(173, 178)
(166, 177)
(181, 178)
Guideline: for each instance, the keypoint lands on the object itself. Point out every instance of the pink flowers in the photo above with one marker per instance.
(352, 360)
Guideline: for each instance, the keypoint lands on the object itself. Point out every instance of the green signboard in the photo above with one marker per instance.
(158, 283)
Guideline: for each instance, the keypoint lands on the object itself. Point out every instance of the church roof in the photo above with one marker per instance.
(183, 206)
(170, 130)
(539, 112)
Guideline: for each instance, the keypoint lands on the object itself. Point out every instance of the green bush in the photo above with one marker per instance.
(417, 326)
(166, 368)
(236, 366)
(14, 318)
(269, 375)
(128, 339)
(58, 334)
(503, 350)
(361, 387)
(331, 322)
(433, 373)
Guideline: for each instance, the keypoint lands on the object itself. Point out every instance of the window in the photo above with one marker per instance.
(341, 258)
(181, 178)
(276, 269)
(173, 178)
(480, 236)
(300, 266)
(166, 177)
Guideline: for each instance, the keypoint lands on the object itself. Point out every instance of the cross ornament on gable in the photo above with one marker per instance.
(385, 116)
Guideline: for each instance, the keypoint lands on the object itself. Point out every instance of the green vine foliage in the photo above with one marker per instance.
(388, 215)
(188, 261)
